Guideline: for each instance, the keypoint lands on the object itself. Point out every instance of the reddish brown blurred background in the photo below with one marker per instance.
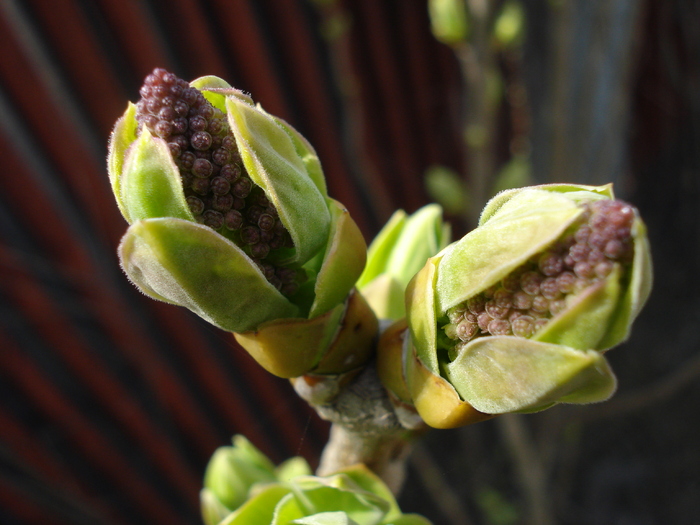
(111, 403)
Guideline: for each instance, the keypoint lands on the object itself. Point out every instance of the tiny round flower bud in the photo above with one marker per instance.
(230, 172)
(222, 203)
(216, 126)
(483, 320)
(551, 264)
(579, 252)
(166, 113)
(540, 304)
(522, 300)
(503, 298)
(499, 327)
(566, 281)
(581, 235)
(198, 123)
(220, 186)
(213, 219)
(583, 270)
(200, 186)
(187, 160)
(179, 125)
(511, 283)
(206, 111)
(476, 304)
(233, 220)
(266, 222)
(201, 140)
(597, 239)
(229, 143)
(220, 156)
(175, 149)
(250, 235)
(613, 249)
(163, 129)
(550, 288)
(495, 311)
(196, 205)
(202, 168)
(523, 326)
(253, 213)
(276, 242)
(260, 250)
(556, 306)
(603, 269)
(241, 188)
(467, 330)
(181, 107)
(530, 282)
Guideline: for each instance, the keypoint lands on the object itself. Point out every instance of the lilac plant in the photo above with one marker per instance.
(229, 216)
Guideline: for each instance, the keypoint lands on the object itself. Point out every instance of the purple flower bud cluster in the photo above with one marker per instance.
(526, 299)
(217, 187)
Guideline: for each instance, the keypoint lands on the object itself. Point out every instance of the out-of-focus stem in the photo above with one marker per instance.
(529, 468)
(477, 59)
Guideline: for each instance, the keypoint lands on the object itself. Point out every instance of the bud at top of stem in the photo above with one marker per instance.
(228, 207)
(515, 315)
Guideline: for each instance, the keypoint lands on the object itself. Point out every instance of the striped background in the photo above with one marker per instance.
(111, 403)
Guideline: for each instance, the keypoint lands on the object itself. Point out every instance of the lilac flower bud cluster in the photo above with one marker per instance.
(526, 299)
(217, 187)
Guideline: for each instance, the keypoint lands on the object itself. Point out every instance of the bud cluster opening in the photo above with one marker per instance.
(218, 189)
(526, 299)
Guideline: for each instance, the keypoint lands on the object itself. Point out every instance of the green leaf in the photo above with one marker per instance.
(422, 237)
(339, 492)
(122, 136)
(385, 295)
(150, 184)
(232, 471)
(343, 261)
(326, 518)
(370, 482)
(586, 319)
(213, 511)
(260, 509)
(291, 468)
(501, 374)
(287, 509)
(421, 315)
(271, 159)
(380, 249)
(575, 192)
(306, 153)
(523, 226)
(637, 291)
(191, 265)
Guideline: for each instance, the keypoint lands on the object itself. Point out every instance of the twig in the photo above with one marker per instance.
(662, 390)
(529, 468)
(441, 493)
